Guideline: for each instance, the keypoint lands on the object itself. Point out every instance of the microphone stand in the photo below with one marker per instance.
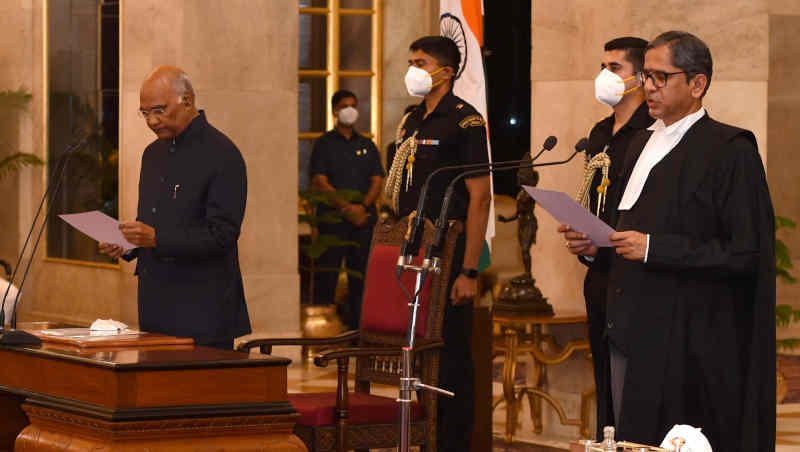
(13, 336)
(429, 264)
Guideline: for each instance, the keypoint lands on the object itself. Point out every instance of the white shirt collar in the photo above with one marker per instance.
(660, 143)
(682, 124)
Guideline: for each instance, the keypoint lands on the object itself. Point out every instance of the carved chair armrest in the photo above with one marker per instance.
(267, 344)
(322, 358)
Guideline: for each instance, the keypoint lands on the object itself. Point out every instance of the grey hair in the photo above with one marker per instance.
(689, 53)
(182, 85)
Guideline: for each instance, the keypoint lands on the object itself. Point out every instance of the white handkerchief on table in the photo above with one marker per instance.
(567, 211)
(98, 226)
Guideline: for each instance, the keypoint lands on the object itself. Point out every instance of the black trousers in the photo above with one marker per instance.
(594, 291)
(455, 416)
(355, 258)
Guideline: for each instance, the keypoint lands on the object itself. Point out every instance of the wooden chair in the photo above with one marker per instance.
(356, 419)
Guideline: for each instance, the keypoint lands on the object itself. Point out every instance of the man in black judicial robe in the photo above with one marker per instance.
(622, 60)
(192, 195)
(691, 296)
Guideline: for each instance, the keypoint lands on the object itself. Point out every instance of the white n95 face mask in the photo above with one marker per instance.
(418, 81)
(347, 116)
(610, 87)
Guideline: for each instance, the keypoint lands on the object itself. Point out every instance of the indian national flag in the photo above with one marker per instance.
(462, 21)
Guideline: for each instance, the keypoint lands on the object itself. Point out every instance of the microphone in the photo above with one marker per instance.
(12, 336)
(580, 146)
(411, 240)
(549, 143)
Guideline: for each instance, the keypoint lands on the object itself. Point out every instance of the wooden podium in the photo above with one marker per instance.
(56, 397)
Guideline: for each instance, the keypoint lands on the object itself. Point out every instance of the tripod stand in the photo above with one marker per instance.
(408, 382)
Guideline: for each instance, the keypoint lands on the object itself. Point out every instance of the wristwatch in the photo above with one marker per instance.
(470, 273)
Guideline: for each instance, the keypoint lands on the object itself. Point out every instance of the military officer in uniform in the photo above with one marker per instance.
(445, 130)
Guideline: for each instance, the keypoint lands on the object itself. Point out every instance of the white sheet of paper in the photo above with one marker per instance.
(98, 226)
(567, 211)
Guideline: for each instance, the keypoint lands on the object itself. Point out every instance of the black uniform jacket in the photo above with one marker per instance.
(454, 133)
(193, 191)
(697, 321)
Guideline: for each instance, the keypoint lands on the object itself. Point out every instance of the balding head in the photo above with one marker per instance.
(167, 101)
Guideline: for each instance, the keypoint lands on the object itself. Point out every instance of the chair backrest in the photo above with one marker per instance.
(385, 307)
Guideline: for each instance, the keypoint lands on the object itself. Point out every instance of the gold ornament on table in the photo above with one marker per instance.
(600, 161)
(404, 158)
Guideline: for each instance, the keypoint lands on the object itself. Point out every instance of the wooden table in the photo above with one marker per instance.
(158, 398)
(522, 334)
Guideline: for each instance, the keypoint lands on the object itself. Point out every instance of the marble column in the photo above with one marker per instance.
(403, 23)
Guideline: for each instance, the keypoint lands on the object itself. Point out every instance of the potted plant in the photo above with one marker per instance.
(14, 102)
(784, 313)
(322, 320)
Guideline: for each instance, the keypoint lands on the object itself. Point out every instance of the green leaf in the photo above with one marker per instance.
(787, 344)
(316, 220)
(783, 314)
(15, 162)
(785, 276)
(15, 100)
(315, 197)
(784, 222)
(322, 243)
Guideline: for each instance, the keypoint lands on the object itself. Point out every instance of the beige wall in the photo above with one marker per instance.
(242, 57)
(16, 33)
(784, 160)
(404, 22)
(21, 33)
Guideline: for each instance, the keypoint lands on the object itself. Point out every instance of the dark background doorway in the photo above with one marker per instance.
(507, 51)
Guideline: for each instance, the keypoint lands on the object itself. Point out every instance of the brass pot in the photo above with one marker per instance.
(781, 387)
(319, 321)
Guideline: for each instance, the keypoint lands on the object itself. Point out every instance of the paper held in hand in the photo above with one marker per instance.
(98, 226)
(567, 211)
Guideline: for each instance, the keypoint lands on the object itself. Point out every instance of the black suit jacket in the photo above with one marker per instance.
(193, 191)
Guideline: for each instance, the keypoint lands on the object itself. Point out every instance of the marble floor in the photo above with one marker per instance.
(305, 377)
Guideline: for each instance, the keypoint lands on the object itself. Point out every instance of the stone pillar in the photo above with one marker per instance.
(403, 22)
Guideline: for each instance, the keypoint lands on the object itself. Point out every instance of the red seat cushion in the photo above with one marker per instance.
(318, 409)
(385, 307)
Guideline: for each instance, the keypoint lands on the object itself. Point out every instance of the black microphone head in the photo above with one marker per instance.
(550, 143)
(582, 145)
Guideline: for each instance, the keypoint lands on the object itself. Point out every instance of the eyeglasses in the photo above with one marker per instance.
(659, 78)
(158, 110)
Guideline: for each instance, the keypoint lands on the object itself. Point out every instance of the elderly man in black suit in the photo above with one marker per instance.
(192, 195)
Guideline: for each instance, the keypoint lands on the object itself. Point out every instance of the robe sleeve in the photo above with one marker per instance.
(217, 233)
(739, 198)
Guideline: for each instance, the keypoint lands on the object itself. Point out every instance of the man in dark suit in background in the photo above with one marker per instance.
(192, 195)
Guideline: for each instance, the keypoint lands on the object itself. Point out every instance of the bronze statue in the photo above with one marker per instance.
(527, 225)
(521, 293)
